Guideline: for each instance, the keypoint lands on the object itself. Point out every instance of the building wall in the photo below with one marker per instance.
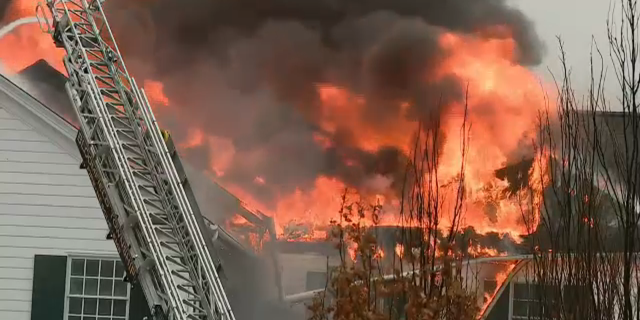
(299, 268)
(47, 207)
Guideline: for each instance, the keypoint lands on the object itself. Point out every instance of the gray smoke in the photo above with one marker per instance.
(247, 70)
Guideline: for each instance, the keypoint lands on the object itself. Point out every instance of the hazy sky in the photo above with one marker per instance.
(576, 22)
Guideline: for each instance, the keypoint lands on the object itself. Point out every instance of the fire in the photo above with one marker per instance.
(220, 160)
(302, 209)
(481, 251)
(399, 250)
(352, 250)
(27, 43)
(379, 254)
(155, 92)
(501, 277)
(195, 137)
(489, 71)
(342, 108)
(494, 79)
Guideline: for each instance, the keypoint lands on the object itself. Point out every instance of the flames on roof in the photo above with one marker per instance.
(309, 123)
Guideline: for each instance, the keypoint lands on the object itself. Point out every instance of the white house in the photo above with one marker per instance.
(55, 262)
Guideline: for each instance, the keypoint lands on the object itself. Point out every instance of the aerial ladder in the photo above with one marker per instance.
(148, 214)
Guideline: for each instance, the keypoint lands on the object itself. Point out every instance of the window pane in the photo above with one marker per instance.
(106, 269)
(75, 305)
(104, 307)
(90, 306)
(75, 286)
(106, 287)
(120, 288)
(92, 268)
(520, 308)
(91, 287)
(77, 267)
(74, 318)
(551, 293)
(520, 291)
(534, 308)
(119, 308)
(119, 270)
(316, 280)
(104, 318)
(88, 318)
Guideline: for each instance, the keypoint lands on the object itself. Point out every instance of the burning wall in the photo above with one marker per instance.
(287, 104)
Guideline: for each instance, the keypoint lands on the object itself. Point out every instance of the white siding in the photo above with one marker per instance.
(47, 206)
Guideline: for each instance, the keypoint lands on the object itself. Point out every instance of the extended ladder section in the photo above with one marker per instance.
(149, 216)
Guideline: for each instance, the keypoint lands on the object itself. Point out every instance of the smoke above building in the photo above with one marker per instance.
(287, 104)
(248, 73)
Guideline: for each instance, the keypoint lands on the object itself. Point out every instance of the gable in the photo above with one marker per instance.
(47, 203)
(31, 113)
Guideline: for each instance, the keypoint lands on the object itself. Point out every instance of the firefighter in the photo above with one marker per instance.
(165, 135)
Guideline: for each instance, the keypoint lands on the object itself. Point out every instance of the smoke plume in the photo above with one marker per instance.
(247, 72)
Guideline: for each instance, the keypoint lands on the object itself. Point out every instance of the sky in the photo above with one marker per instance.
(577, 22)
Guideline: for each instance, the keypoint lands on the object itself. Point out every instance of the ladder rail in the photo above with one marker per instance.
(151, 163)
(157, 143)
(108, 129)
(213, 277)
(144, 107)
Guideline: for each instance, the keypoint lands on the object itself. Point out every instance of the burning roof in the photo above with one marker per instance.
(287, 105)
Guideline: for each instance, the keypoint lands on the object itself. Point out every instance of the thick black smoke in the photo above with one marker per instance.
(247, 70)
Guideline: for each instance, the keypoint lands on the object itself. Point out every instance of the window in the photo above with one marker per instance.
(530, 301)
(96, 290)
(316, 280)
(525, 302)
(574, 296)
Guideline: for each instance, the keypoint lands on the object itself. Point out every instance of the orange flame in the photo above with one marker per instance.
(399, 251)
(155, 93)
(501, 277)
(27, 43)
(503, 102)
(481, 251)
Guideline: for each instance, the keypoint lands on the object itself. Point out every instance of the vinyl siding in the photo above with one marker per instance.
(47, 206)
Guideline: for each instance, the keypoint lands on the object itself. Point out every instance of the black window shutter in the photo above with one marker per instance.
(49, 282)
(138, 306)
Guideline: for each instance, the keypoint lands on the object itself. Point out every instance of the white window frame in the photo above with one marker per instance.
(67, 295)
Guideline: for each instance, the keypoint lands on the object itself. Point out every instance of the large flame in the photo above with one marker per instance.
(27, 43)
(493, 78)
(501, 277)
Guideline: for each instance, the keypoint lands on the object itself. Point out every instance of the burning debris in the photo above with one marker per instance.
(289, 104)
